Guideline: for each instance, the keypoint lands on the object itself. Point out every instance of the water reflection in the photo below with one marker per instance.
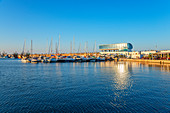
(122, 75)
(127, 75)
(121, 72)
(151, 66)
(137, 66)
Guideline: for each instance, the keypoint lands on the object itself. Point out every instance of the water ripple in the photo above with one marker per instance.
(83, 87)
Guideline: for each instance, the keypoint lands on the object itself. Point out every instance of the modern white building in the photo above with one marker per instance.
(123, 49)
(117, 49)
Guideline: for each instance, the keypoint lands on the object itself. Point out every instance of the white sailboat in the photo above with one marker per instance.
(24, 59)
(69, 59)
(93, 59)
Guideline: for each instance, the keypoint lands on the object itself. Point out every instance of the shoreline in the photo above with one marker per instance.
(146, 61)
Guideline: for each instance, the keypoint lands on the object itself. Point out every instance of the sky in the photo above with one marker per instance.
(144, 23)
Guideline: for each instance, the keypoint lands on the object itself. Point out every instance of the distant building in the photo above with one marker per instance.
(116, 49)
(121, 47)
(125, 49)
(146, 53)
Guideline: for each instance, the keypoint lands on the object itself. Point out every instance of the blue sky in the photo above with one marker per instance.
(144, 23)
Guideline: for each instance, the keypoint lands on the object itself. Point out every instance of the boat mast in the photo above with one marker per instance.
(70, 47)
(59, 45)
(31, 48)
(79, 48)
(74, 44)
(85, 48)
(95, 48)
(51, 45)
(56, 48)
(23, 52)
(47, 47)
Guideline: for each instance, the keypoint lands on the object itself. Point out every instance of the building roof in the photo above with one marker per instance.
(113, 44)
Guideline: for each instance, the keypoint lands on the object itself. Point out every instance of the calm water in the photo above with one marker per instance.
(84, 87)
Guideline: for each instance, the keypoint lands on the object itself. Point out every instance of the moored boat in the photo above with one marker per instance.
(78, 59)
(52, 60)
(24, 60)
(69, 59)
(61, 59)
(35, 60)
(93, 59)
(101, 59)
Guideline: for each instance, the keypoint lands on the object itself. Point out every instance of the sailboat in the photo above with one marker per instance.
(101, 58)
(51, 59)
(69, 59)
(93, 59)
(24, 59)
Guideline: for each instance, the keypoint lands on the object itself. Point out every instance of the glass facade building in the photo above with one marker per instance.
(116, 47)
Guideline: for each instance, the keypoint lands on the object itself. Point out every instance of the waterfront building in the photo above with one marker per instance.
(164, 54)
(124, 49)
(146, 53)
(121, 47)
(134, 54)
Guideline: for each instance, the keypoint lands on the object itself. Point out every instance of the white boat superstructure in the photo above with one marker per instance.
(78, 58)
(35, 60)
(101, 58)
(52, 60)
(86, 59)
(69, 59)
(93, 59)
(45, 60)
(24, 60)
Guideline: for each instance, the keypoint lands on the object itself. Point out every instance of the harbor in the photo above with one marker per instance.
(54, 59)
(84, 56)
(108, 52)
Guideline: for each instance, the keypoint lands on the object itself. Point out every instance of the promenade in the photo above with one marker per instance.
(146, 61)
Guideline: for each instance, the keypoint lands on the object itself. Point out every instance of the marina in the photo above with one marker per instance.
(108, 52)
(84, 56)
(53, 59)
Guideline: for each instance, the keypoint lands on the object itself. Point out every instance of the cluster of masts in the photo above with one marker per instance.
(49, 49)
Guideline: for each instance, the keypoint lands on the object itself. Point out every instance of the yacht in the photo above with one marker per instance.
(101, 59)
(35, 60)
(45, 60)
(78, 58)
(69, 59)
(52, 60)
(61, 59)
(93, 59)
(24, 60)
(86, 59)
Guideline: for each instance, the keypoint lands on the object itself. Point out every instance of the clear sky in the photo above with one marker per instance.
(144, 23)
